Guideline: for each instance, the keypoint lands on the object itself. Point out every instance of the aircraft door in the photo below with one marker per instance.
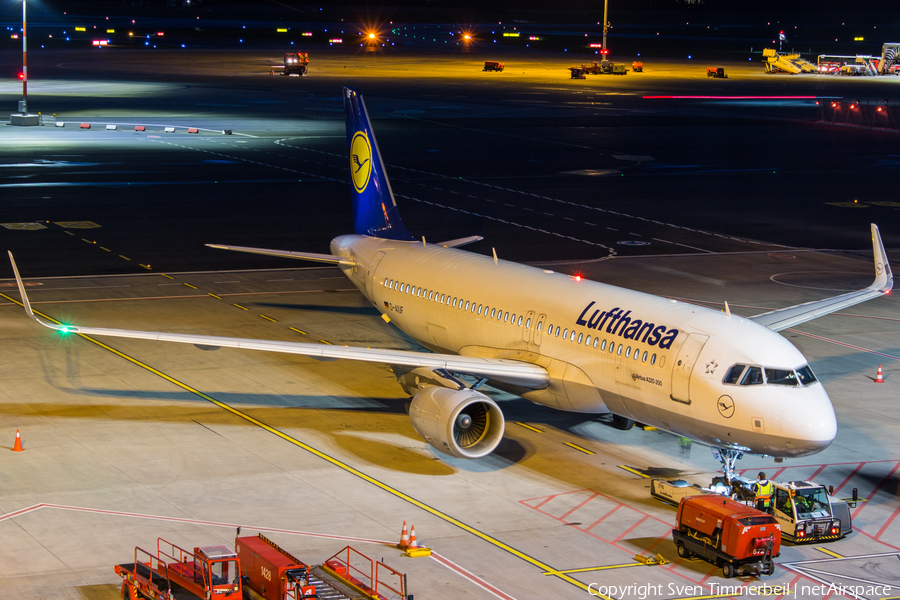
(539, 329)
(684, 366)
(528, 326)
(370, 276)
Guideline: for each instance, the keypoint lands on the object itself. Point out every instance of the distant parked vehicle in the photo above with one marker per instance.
(577, 73)
(637, 66)
(492, 65)
(853, 70)
(717, 72)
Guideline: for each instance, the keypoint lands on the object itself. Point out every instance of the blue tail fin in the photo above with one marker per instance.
(374, 209)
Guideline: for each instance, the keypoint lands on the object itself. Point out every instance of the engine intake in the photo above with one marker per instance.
(461, 423)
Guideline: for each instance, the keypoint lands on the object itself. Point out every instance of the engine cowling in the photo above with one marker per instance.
(461, 423)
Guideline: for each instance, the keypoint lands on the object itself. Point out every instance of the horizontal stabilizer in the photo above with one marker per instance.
(323, 258)
(792, 316)
(461, 241)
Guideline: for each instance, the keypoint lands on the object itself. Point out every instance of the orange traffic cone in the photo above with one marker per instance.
(879, 378)
(412, 538)
(404, 538)
(18, 445)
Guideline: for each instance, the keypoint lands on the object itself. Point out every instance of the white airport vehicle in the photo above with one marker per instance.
(559, 341)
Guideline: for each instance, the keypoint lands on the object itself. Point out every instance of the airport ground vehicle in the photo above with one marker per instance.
(637, 66)
(492, 65)
(577, 73)
(296, 62)
(728, 534)
(256, 568)
(853, 70)
(209, 572)
(717, 72)
(808, 514)
(604, 67)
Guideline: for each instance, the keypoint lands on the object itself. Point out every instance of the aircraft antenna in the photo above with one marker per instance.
(727, 310)
(494, 251)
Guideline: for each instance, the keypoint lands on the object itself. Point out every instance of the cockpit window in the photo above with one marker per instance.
(734, 374)
(753, 376)
(806, 375)
(780, 377)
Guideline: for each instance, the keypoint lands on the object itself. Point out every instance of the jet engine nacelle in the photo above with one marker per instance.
(461, 423)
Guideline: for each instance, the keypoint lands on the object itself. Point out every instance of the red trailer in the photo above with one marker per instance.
(726, 533)
(270, 570)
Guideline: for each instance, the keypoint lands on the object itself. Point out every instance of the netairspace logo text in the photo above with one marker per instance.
(642, 592)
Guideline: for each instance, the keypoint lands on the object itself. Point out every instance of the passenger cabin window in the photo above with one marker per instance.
(572, 339)
(557, 331)
(520, 321)
(467, 306)
(653, 359)
(644, 358)
(753, 377)
(805, 375)
(628, 352)
(603, 345)
(565, 332)
(780, 377)
(734, 374)
(528, 323)
(442, 298)
(587, 342)
(540, 324)
(493, 310)
(580, 337)
(506, 316)
(596, 340)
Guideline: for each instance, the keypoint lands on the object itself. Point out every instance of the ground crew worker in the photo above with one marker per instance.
(764, 491)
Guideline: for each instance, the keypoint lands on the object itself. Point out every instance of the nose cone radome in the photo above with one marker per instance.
(809, 424)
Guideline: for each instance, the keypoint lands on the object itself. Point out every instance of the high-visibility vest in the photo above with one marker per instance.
(765, 490)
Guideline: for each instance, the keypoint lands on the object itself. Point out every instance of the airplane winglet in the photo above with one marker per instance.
(27, 304)
(884, 278)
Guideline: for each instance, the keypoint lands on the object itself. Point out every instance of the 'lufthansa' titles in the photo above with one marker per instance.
(620, 323)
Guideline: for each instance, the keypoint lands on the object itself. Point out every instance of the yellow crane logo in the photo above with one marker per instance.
(360, 161)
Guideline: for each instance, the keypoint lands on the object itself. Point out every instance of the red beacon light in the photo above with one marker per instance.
(576, 277)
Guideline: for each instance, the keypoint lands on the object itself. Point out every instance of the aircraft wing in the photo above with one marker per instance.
(324, 258)
(791, 316)
(506, 371)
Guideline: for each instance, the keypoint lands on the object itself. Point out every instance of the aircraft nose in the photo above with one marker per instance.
(809, 424)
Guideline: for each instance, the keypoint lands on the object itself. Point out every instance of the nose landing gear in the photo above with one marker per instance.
(728, 457)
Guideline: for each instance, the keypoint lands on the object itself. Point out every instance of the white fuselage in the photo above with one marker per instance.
(607, 349)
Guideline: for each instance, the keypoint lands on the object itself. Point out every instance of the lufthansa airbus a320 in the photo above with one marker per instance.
(724, 380)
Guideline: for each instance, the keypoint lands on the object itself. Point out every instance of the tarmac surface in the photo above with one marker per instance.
(748, 201)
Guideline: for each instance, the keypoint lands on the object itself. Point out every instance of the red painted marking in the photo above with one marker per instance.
(849, 477)
(546, 500)
(22, 511)
(630, 529)
(814, 475)
(876, 490)
(600, 520)
(861, 349)
(585, 501)
(729, 97)
(471, 577)
(790, 585)
(779, 472)
(869, 535)
(887, 523)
